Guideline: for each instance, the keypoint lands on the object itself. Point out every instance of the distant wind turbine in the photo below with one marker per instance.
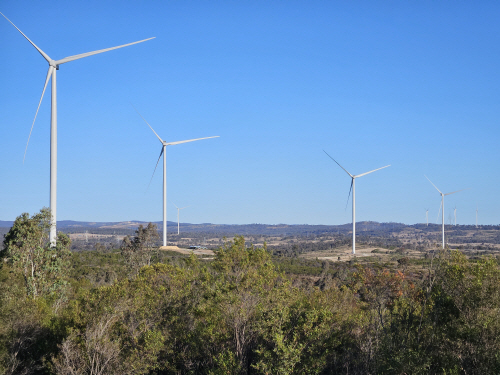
(442, 203)
(53, 67)
(427, 216)
(353, 188)
(476, 216)
(455, 213)
(178, 209)
(164, 153)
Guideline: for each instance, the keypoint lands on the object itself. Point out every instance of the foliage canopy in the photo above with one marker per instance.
(238, 313)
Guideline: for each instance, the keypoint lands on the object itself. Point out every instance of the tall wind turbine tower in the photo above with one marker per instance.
(353, 188)
(455, 213)
(53, 67)
(164, 153)
(427, 216)
(476, 216)
(442, 203)
(178, 210)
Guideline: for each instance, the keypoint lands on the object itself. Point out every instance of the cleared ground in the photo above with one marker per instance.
(187, 251)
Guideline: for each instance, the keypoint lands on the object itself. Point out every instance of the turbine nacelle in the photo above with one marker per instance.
(54, 64)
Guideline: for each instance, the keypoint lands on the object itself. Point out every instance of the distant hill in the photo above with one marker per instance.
(285, 238)
(128, 227)
(6, 224)
(368, 228)
(64, 224)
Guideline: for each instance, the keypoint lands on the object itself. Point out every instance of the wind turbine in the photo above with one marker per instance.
(178, 209)
(439, 213)
(353, 187)
(476, 216)
(164, 152)
(442, 202)
(53, 67)
(427, 216)
(455, 213)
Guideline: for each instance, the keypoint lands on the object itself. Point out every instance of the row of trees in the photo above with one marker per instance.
(239, 314)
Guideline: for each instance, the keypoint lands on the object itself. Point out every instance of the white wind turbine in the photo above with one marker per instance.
(178, 210)
(455, 213)
(439, 213)
(427, 216)
(53, 67)
(164, 152)
(442, 203)
(353, 187)
(476, 216)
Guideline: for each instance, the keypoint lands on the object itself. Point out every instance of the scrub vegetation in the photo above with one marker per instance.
(140, 310)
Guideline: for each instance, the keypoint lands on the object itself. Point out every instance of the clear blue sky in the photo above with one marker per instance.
(411, 84)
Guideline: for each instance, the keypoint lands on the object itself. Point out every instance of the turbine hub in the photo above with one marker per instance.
(53, 64)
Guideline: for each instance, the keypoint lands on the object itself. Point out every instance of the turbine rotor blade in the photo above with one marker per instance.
(338, 164)
(161, 140)
(189, 140)
(433, 184)
(82, 55)
(155, 167)
(457, 191)
(49, 74)
(362, 174)
(45, 56)
(352, 181)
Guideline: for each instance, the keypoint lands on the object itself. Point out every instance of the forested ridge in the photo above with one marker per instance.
(139, 310)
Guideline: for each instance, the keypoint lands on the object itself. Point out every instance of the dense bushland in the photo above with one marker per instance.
(240, 314)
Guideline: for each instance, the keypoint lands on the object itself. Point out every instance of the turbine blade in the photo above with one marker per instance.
(189, 140)
(352, 181)
(378, 169)
(338, 164)
(161, 140)
(49, 74)
(82, 55)
(155, 167)
(433, 184)
(184, 207)
(45, 56)
(457, 191)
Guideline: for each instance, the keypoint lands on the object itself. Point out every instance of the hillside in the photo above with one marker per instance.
(288, 239)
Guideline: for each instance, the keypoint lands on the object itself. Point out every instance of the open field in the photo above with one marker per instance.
(344, 253)
(187, 251)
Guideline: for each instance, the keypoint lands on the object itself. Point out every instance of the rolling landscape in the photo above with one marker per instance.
(282, 238)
